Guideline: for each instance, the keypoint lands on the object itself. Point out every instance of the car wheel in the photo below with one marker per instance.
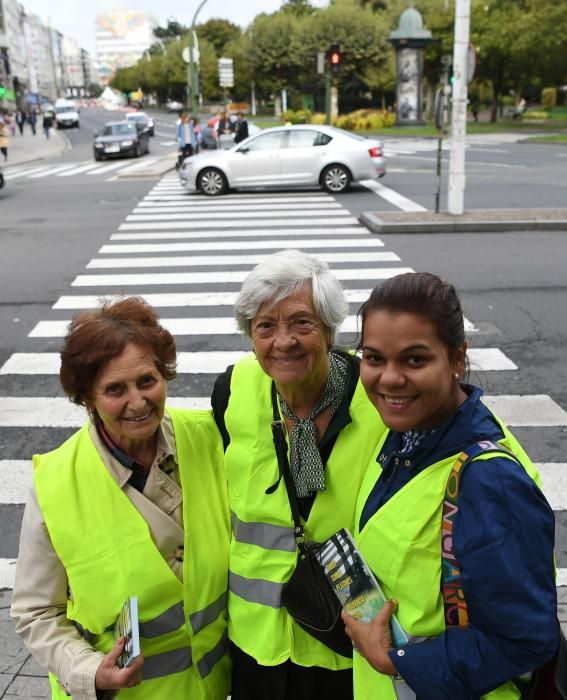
(138, 151)
(212, 182)
(97, 156)
(335, 179)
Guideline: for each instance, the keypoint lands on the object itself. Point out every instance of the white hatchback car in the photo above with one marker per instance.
(287, 156)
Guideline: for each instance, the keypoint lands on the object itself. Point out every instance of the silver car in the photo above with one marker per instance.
(287, 156)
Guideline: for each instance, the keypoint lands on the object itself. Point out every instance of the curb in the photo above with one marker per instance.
(377, 225)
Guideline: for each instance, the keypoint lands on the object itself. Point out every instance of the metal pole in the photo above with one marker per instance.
(192, 88)
(328, 95)
(459, 121)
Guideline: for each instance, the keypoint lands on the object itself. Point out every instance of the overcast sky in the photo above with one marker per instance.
(76, 17)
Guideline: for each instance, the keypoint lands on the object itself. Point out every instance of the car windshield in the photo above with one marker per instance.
(59, 110)
(137, 117)
(118, 130)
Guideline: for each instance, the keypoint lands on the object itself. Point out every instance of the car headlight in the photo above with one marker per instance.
(127, 143)
(99, 145)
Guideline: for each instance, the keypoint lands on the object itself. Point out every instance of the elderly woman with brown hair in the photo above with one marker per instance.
(290, 307)
(133, 504)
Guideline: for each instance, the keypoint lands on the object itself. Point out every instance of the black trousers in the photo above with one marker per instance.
(287, 681)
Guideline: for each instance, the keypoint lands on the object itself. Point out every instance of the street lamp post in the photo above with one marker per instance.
(192, 76)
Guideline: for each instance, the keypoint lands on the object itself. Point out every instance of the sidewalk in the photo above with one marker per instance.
(20, 676)
(476, 220)
(27, 148)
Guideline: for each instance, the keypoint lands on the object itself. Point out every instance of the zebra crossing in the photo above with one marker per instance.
(197, 252)
(411, 146)
(87, 168)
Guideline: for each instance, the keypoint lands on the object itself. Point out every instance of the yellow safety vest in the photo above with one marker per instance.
(108, 554)
(263, 551)
(401, 543)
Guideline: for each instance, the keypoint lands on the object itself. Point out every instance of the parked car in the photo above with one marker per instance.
(143, 120)
(123, 138)
(287, 156)
(209, 131)
(174, 106)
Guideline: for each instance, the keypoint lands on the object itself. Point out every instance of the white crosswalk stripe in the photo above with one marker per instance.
(72, 169)
(207, 239)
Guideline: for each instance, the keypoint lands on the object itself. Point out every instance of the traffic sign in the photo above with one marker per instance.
(226, 72)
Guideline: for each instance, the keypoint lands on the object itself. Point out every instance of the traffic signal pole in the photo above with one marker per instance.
(192, 76)
(455, 204)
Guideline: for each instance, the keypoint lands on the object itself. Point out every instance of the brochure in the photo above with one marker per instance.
(354, 584)
(127, 626)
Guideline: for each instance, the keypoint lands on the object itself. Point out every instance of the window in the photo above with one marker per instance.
(306, 138)
(266, 142)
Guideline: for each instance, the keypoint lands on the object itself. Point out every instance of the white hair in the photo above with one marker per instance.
(283, 274)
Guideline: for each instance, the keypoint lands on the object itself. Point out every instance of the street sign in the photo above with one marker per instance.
(226, 72)
(185, 55)
(320, 62)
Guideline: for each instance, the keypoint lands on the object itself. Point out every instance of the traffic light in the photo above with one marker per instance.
(335, 58)
(2, 91)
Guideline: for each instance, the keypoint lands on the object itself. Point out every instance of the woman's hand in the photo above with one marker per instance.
(372, 639)
(110, 677)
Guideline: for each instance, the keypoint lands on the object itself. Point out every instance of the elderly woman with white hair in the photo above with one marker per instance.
(290, 307)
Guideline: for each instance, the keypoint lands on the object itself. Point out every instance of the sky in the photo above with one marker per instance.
(75, 18)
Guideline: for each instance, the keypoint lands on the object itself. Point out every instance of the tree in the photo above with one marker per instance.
(172, 30)
(299, 8)
(218, 32)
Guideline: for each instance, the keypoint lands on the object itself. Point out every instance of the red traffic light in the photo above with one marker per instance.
(335, 57)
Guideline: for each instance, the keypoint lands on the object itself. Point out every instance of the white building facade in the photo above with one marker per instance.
(121, 36)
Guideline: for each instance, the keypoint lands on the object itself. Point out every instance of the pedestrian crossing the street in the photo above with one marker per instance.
(80, 168)
(187, 255)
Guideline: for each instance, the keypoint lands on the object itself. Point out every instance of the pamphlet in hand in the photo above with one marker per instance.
(127, 626)
(354, 584)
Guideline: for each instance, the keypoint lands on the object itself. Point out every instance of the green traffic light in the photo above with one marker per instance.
(2, 91)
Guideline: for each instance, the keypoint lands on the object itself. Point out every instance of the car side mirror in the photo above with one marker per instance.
(244, 149)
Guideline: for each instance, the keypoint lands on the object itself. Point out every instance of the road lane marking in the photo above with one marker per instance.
(81, 169)
(537, 410)
(214, 277)
(210, 214)
(177, 326)
(391, 196)
(204, 260)
(59, 412)
(185, 202)
(212, 362)
(189, 210)
(368, 242)
(140, 165)
(324, 232)
(231, 223)
(53, 171)
(106, 168)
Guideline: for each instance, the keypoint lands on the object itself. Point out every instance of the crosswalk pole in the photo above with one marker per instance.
(459, 121)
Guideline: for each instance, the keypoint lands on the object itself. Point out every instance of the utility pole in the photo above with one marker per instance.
(459, 108)
(192, 71)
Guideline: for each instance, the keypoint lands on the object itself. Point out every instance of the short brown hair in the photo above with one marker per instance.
(98, 336)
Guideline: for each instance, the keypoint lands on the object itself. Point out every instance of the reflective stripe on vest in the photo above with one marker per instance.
(167, 663)
(263, 535)
(401, 550)
(204, 617)
(263, 551)
(211, 658)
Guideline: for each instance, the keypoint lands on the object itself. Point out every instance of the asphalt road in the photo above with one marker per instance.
(513, 285)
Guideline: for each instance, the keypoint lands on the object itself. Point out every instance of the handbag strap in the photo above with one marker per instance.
(280, 444)
(454, 602)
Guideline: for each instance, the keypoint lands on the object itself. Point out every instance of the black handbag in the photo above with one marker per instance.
(550, 681)
(308, 595)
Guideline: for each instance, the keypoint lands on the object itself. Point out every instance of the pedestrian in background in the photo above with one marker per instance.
(20, 121)
(197, 133)
(4, 138)
(240, 128)
(186, 139)
(32, 120)
(47, 124)
(225, 131)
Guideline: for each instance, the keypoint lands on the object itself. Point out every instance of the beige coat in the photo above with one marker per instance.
(4, 139)
(39, 601)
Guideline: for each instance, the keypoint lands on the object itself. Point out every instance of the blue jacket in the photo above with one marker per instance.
(180, 135)
(503, 537)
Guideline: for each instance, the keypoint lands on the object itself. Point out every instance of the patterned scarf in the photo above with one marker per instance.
(411, 439)
(306, 465)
